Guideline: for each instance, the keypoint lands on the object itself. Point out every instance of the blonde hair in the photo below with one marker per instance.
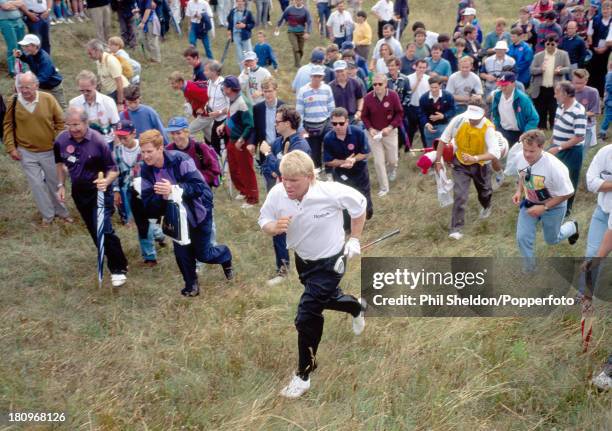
(117, 41)
(176, 76)
(151, 137)
(295, 163)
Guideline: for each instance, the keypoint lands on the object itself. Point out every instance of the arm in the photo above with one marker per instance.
(190, 180)
(536, 67)
(61, 178)
(595, 183)
(7, 138)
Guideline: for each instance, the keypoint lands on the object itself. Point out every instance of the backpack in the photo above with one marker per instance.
(205, 23)
(126, 67)
(207, 154)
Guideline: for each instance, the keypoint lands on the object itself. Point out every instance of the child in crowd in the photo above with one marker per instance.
(265, 53)
(116, 45)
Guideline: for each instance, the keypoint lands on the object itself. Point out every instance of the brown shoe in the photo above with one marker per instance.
(67, 219)
(150, 263)
(46, 223)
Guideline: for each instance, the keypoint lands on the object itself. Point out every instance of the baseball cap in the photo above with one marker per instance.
(317, 56)
(501, 44)
(347, 45)
(30, 39)
(125, 128)
(469, 11)
(231, 82)
(340, 65)
(474, 112)
(177, 123)
(317, 70)
(351, 65)
(250, 55)
(506, 78)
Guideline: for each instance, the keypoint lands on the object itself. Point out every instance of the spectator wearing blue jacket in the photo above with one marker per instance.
(522, 54)
(287, 124)
(512, 111)
(436, 109)
(142, 116)
(265, 53)
(41, 65)
(240, 23)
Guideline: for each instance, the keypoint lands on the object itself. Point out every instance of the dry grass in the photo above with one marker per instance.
(144, 358)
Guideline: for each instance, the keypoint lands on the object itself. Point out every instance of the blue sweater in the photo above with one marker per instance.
(576, 49)
(42, 66)
(272, 162)
(523, 55)
(427, 108)
(527, 117)
(145, 118)
(265, 55)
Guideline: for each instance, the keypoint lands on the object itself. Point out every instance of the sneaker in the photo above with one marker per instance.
(246, 206)
(161, 242)
(78, 18)
(295, 388)
(603, 381)
(382, 192)
(497, 180)
(485, 212)
(150, 263)
(53, 21)
(46, 222)
(573, 238)
(602, 136)
(69, 21)
(118, 280)
(392, 174)
(279, 277)
(228, 271)
(359, 321)
(240, 197)
(67, 220)
(191, 292)
(84, 16)
(456, 235)
(60, 21)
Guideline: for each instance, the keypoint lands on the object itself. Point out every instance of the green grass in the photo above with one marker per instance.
(144, 358)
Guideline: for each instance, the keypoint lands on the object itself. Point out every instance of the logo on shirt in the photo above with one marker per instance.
(70, 149)
(386, 104)
(322, 215)
(350, 147)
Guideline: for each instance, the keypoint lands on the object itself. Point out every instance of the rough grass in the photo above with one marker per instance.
(145, 358)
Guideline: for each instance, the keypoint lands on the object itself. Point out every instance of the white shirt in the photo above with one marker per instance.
(217, 101)
(491, 140)
(29, 106)
(250, 82)
(507, 116)
(420, 90)
(384, 10)
(549, 178)
(198, 7)
(102, 112)
(316, 230)
(396, 47)
(600, 170)
(341, 23)
(36, 6)
(431, 38)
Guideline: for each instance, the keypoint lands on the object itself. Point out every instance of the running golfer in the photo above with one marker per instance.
(310, 212)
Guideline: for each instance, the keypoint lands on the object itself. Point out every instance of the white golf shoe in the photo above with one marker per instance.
(118, 280)
(295, 388)
(359, 321)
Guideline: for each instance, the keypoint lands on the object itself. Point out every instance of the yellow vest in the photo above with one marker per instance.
(471, 140)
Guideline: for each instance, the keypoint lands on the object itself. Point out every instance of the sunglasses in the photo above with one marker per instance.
(377, 84)
(338, 123)
(550, 43)
(528, 173)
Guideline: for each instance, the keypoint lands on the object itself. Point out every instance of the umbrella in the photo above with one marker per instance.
(227, 44)
(100, 230)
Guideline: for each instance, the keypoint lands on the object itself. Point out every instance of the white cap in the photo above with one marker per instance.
(501, 44)
(469, 11)
(317, 70)
(474, 112)
(250, 55)
(340, 65)
(30, 39)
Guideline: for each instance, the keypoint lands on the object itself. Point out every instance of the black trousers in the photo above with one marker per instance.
(414, 125)
(511, 135)
(321, 292)
(215, 139)
(546, 105)
(86, 203)
(361, 183)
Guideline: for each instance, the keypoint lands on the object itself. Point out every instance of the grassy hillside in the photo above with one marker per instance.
(145, 358)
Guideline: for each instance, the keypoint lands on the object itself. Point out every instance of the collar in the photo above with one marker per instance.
(511, 95)
(86, 138)
(273, 106)
(25, 102)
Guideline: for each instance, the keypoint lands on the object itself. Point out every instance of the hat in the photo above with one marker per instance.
(469, 11)
(501, 44)
(506, 78)
(550, 14)
(30, 39)
(125, 128)
(177, 123)
(474, 112)
(250, 55)
(426, 161)
(347, 45)
(340, 65)
(317, 56)
(351, 65)
(231, 82)
(317, 71)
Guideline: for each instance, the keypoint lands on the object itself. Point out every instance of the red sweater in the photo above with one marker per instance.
(196, 96)
(379, 114)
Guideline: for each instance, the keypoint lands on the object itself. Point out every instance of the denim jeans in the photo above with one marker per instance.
(597, 229)
(430, 137)
(263, 10)
(242, 46)
(13, 30)
(607, 118)
(41, 29)
(324, 11)
(552, 227)
(590, 135)
(280, 250)
(195, 33)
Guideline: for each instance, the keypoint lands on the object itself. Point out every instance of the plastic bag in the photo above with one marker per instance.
(175, 223)
(445, 188)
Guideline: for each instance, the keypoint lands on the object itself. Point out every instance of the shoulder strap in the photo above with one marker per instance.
(13, 121)
(199, 152)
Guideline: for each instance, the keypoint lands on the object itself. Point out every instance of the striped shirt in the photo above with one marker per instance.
(569, 123)
(315, 105)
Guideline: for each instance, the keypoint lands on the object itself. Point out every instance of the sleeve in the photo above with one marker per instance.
(308, 21)
(398, 111)
(7, 137)
(58, 117)
(449, 132)
(327, 147)
(272, 57)
(107, 156)
(160, 126)
(56, 153)
(247, 122)
(593, 175)
(423, 102)
(365, 143)
(268, 212)
(590, 29)
(299, 103)
(282, 18)
(155, 205)
(562, 184)
(491, 141)
(450, 84)
(190, 179)
(331, 104)
(533, 118)
(114, 113)
(597, 105)
(580, 124)
(450, 112)
(348, 198)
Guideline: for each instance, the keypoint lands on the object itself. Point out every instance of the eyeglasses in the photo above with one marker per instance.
(377, 84)
(338, 123)
(279, 121)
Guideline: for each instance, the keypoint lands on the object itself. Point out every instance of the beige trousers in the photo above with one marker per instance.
(385, 155)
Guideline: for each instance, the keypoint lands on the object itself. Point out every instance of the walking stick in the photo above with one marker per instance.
(100, 231)
(227, 44)
(382, 238)
(588, 314)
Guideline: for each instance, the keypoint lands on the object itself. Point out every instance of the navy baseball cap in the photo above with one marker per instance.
(124, 128)
(231, 82)
(176, 124)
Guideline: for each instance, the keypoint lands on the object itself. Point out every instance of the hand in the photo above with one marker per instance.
(558, 70)
(16, 53)
(357, 116)
(554, 150)
(438, 166)
(117, 199)
(264, 148)
(101, 184)
(437, 116)
(352, 248)
(516, 198)
(386, 131)
(240, 25)
(45, 14)
(256, 94)
(306, 36)
(15, 155)
(239, 143)
(373, 132)
(61, 194)
(229, 34)
(469, 158)
(429, 127)
(348, 163)
(221, 130)
(32, 16)
(163, 188)
(141, 25)
(282, 225)
(536, 210)
(199, 111)
(251, 148)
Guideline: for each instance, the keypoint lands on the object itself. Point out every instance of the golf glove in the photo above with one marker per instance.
(352, 248)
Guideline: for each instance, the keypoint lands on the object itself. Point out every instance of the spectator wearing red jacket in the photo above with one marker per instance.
(196, 99)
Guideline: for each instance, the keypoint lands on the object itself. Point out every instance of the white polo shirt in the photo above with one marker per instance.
(600, 170)
(316, 230)
(102, 112)
(548, 178)
(507, 116)
(420, 90)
